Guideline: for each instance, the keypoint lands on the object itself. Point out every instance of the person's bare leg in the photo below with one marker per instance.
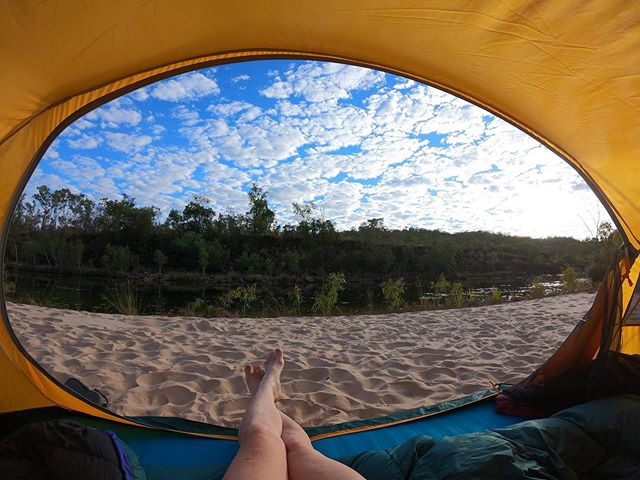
(262, 452)
(304, 462)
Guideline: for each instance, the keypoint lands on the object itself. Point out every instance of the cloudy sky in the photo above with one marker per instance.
(357, 143)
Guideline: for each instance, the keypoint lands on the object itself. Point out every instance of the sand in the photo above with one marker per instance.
(337, 368)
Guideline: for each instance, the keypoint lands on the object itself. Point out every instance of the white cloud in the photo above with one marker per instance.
(84, 142)
(140, 95)
(278, 89)
(322, 82)
(404, 83)
(240, 78)
(126, 143)
(189, 117)
(114, 115)
(83, 123)
(52, 152)
(158, 129)
(185, 87)
(79, 174)
(229, 109)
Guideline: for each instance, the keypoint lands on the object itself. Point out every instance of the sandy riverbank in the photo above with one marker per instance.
(338, 368)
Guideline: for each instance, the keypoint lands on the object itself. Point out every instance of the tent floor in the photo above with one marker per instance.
(157, 448)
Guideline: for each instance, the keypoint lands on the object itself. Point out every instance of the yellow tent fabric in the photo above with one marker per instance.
(567, 72)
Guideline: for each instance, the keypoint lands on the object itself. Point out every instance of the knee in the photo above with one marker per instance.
(297, 443)
(260, 432)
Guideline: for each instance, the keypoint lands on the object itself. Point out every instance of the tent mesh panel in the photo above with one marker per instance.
(589, 364)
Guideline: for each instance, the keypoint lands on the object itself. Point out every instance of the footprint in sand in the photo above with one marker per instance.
(156, 378)
(153, 399)
(230, 355)
(208, 385)
(124, 356)
(342, 375)
(178, 395)
(200, 326)
(150, 346)
(318, 374)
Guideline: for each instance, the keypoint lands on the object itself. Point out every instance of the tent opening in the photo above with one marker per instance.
(375, 227)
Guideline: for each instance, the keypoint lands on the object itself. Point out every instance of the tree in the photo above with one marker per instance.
(30, 249)
(218, 255)
(372, 230)
(63, 253)
(174, 220)
(118, 259)
(606, 242)
(261, 218)
(250, 263)
(203, 259)
(291, 261)
(195, 217)
(161, 260)
(44, 204)
(127, 223)
(19, 227)
(189, 246)
(61, 209)
(310, 224)
(372, 224)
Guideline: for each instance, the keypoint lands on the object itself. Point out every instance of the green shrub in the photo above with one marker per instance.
(496, 295)
(456, 295)
(393, 292)
(569, 280)
(441, 288)
(31, 300)
(370, 300)
(9, 287)
(243, 295)
(199, 308)
(471, 298)
(327, 299)
(451, 293)
(537, 287)
(296, 298)
(247, 295)
(426, 302)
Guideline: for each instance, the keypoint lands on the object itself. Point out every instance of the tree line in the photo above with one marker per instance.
(62, 231)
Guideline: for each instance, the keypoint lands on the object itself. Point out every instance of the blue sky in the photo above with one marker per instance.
(355, 142)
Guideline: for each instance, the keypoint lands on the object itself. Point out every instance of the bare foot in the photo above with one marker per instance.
(253, 376)
(273, 368)
(256, 376)
(274, 364)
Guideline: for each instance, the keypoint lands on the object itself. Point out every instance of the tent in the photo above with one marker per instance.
(567, 73)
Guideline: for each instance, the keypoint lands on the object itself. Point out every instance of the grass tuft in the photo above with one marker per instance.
(124, 300)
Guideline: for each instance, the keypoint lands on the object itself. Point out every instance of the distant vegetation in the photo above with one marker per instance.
(60, 231)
